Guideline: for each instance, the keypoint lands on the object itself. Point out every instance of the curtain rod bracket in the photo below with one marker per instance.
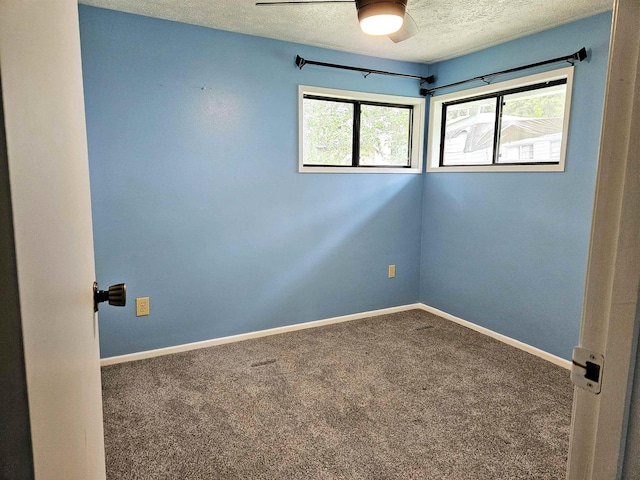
(430, 79)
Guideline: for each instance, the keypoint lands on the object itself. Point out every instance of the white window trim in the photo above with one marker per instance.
(435, 123)
(417, 138)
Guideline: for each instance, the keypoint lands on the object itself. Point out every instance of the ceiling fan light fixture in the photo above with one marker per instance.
(380, 17)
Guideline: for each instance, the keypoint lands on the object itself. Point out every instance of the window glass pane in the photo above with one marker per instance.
(531, 129)
(468, 136)
(328, 132)
(385, 136)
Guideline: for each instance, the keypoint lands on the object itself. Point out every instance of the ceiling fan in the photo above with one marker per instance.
(376, 17)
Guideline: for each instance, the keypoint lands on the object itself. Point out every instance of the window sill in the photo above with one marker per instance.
(499, 168)
(357, 170)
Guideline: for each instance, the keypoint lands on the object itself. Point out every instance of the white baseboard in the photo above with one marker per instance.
(131, 357)
(328, 321)
(498, 336)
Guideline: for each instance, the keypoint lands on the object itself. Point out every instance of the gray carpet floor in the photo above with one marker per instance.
(402, 396)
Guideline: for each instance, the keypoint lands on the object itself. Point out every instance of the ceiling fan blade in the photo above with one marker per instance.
(409, 29)
(265, 4)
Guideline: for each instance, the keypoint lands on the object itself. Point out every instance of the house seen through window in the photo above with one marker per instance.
(517, 125)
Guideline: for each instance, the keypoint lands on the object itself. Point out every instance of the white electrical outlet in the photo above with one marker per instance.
(142, 306)
(392, 271)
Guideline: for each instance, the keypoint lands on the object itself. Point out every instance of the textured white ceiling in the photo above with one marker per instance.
(447, 28)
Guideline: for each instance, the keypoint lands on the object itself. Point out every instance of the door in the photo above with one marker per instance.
(613, 275)
(49, 176)
(46, 140)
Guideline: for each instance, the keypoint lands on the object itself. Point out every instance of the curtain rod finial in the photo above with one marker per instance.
(300, 62)
(581, 54)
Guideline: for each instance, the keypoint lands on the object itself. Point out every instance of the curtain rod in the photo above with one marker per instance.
(301, 62)
(580, 55)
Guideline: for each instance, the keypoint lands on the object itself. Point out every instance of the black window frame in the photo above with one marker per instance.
(499, 96)
(355, 149)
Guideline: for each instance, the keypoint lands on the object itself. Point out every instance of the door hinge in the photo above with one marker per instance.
(586, 369)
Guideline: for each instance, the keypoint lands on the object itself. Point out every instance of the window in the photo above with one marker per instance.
(518, 125)
(342, 131)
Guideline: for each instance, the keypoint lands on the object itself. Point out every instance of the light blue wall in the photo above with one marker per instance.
(197, 202)
(508, 251)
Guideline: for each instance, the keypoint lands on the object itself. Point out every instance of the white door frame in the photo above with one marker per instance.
(613, 273)
(48, 165)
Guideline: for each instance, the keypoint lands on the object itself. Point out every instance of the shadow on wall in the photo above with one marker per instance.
(277, 267)
(331, 265)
